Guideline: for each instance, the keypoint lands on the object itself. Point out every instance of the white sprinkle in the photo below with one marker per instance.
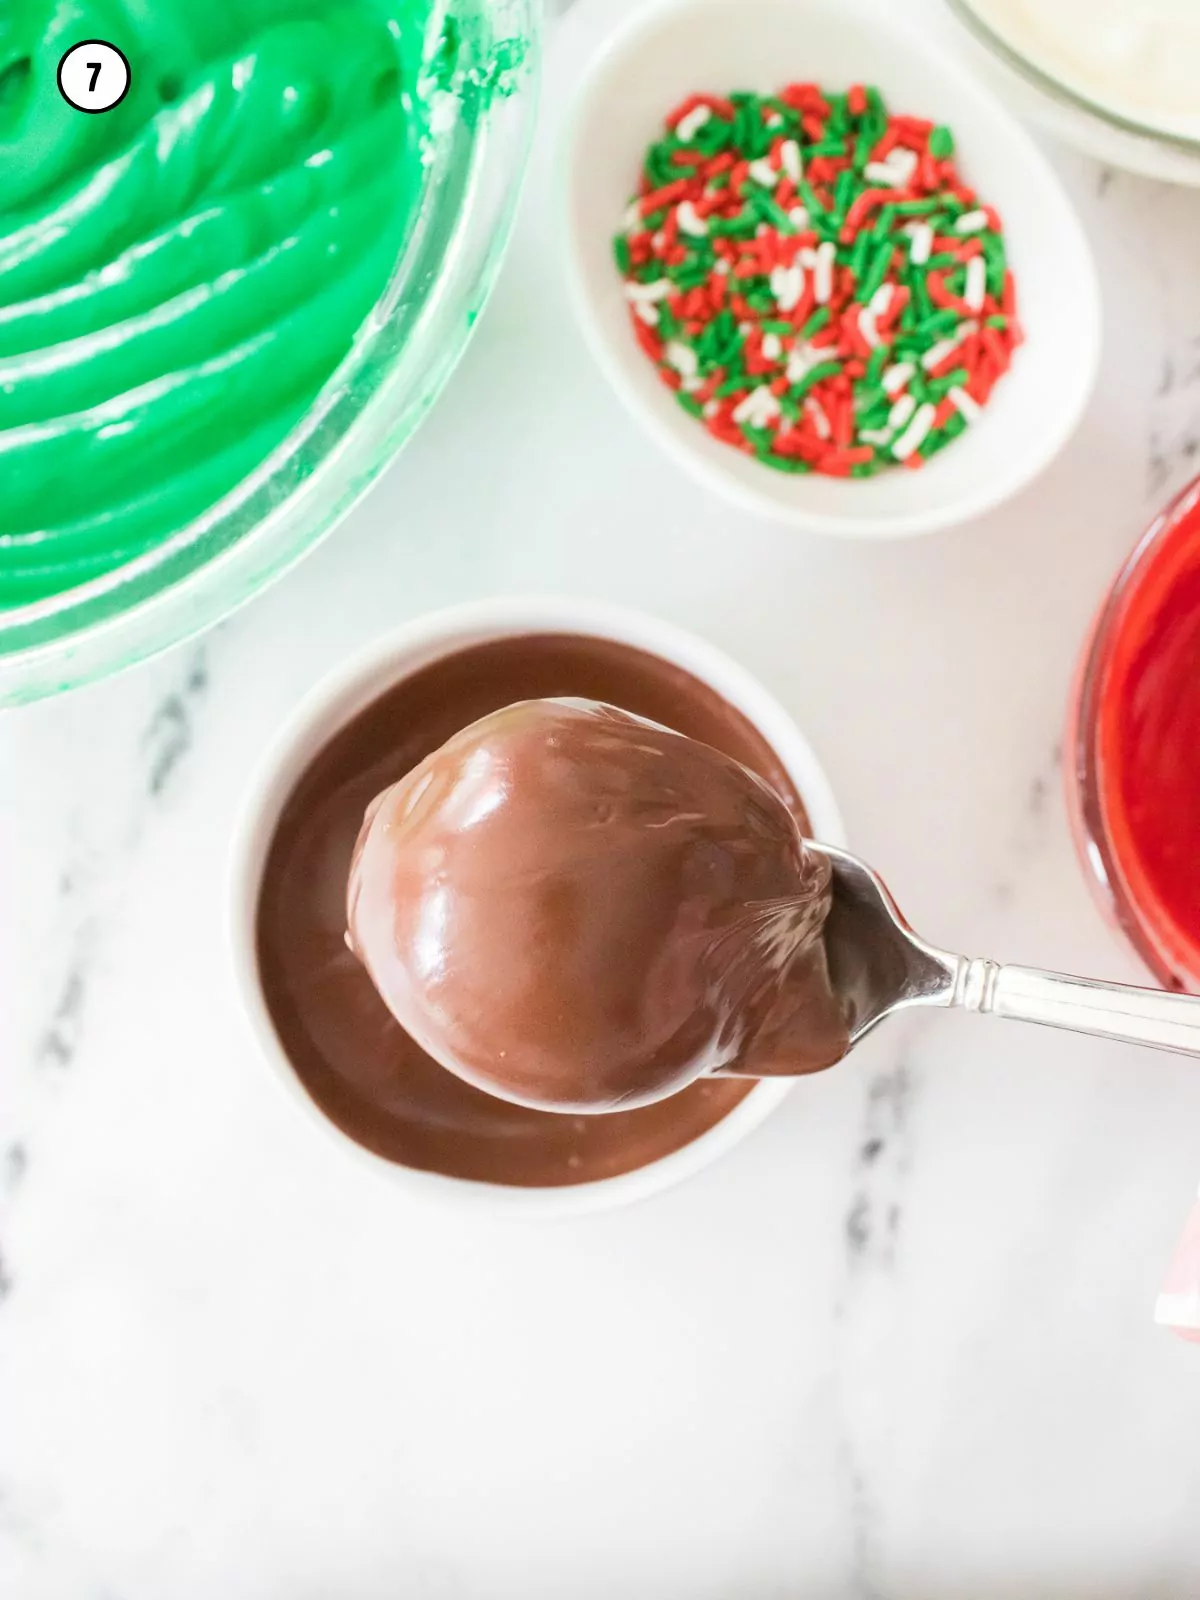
(916, 433)
(802, 360)
(683, 358)
(773, 120)
(772, 346)
(690, 385)
(903, 163)
(881, 300)
(658, 290)
(761, 231)
(659, 241)
(722, 266)
(866, 326)
(633, 218)
(798, 217)
(823, 274)
(689, 219)
(759, 408)
(646, 311)
(937, 353)
(971, 222)
(793, 161)
(875, 435)
(902, 412)
(966, 404)
(763, 172)
(820, 420)
(688, 127)
(883, 174)
(897, 376)
(921, 247)
(787, 285)
(744, 328)
(710, 408)
(976, 290)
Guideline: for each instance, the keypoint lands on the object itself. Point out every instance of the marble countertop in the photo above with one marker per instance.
(899, 1344)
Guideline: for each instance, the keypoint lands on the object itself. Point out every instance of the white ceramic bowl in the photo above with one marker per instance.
(333, 703)
(673, 49)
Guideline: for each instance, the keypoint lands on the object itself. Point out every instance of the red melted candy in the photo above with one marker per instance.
(1148, 741)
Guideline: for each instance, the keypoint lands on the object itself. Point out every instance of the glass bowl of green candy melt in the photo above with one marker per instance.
(227, 301)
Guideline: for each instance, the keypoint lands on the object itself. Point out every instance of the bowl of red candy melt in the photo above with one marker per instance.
(823, 268)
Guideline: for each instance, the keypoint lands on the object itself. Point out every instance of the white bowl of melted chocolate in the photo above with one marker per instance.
(517, 788)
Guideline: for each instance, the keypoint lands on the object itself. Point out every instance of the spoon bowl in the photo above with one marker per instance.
(877, 963)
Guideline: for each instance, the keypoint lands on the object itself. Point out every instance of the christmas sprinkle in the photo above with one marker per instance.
(814, 281)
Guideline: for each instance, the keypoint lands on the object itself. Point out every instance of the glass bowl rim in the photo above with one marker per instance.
(1084, 787)
(1039, 78)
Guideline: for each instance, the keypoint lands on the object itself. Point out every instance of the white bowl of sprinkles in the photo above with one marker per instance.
(693, 54)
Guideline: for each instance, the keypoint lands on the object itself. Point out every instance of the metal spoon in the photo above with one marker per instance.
(880, 966)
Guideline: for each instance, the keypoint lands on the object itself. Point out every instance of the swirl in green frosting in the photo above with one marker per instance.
(180, 275)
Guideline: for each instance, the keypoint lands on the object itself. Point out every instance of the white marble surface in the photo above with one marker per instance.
(897, 1345)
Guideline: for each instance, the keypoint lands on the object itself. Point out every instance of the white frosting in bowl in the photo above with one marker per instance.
(1138, 59)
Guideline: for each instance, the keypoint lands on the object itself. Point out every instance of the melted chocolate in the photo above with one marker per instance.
(356, 1062)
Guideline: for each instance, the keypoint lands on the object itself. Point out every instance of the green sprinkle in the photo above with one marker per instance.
(939, 388)
(876, 414)
(933, 327)
(816, 211)
(621, 253)
(941, 144)
(996, 257)
(814, 375)
(770, 210)
(689, 403)
(859, 252)
(760, 438)
(818, 320)
(875, 365)
(876, 272)
(916, 208)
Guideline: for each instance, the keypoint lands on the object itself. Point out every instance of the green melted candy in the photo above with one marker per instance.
(180, 275)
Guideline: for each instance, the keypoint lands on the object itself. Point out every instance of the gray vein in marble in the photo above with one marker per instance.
(873, 1218)
(85, 882)
(59, 1041)
(1033, 830)
(13, 1168)
(170, 732)
(872, 1226)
